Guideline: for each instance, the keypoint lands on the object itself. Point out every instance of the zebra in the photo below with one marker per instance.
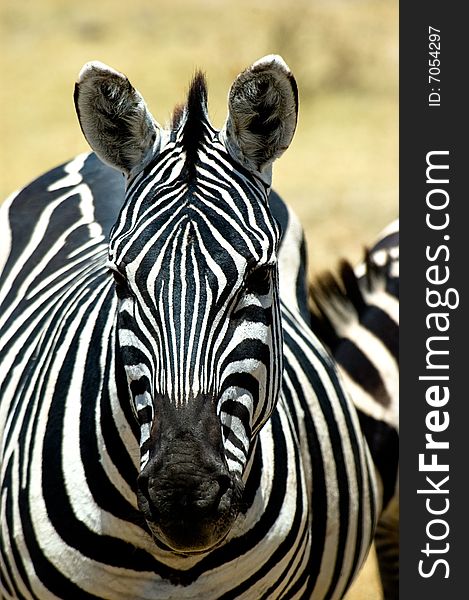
(356, 315)
(170, 425)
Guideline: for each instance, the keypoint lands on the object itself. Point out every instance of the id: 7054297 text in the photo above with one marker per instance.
(434, 62)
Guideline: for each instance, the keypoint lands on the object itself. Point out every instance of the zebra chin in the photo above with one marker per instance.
(186, 538)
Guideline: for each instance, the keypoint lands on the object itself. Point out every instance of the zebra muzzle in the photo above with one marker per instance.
(189, 498)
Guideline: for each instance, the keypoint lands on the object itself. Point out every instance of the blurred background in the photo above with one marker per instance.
(339, 174)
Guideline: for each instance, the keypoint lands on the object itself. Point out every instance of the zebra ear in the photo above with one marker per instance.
(262, 113)
(114, 118)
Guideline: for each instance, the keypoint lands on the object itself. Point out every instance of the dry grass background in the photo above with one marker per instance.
(340, 173)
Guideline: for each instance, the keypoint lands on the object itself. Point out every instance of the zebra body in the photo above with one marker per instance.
(82, 429)
(357, 316)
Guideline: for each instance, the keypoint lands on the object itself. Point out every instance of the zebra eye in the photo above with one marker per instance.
(122, 287)
(258, 280)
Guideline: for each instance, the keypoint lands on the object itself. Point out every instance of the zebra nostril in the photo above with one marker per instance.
(142, 483)
(224, 483)
(145, 501)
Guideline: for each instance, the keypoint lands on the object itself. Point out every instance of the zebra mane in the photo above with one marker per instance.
(196, 119)
(337, 300)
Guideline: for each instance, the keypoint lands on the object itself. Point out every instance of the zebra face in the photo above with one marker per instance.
(193, 255)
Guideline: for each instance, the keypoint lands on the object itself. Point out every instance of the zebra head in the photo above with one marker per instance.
(193, 255)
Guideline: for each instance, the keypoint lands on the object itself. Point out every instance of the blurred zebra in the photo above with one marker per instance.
(170, 427)
(356, 315)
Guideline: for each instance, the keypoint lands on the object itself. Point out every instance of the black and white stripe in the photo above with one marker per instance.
(164, 325)
(357, 316)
